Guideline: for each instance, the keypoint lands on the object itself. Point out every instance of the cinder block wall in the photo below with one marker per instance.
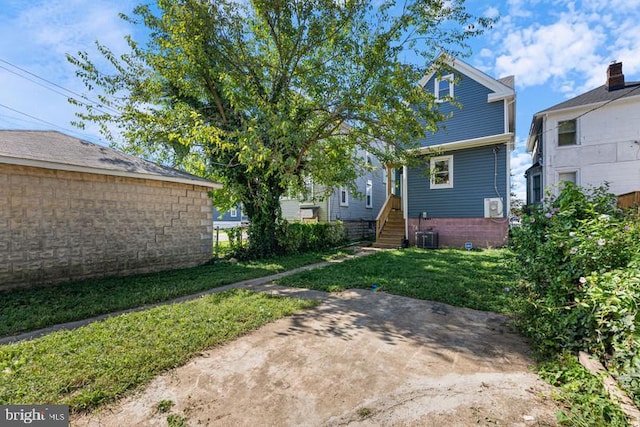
(57, 226)
(455, 232)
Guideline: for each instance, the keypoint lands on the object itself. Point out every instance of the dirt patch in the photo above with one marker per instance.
(361, 358)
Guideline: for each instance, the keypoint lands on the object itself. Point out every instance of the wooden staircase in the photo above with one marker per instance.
(390, 225)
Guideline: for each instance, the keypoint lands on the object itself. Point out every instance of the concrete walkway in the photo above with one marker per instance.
(246, 284)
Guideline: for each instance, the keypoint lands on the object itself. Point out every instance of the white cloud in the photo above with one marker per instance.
(35, 36)
(540, 53)
(491, 12)
(521, 8)
(568, 45)
(520, 162)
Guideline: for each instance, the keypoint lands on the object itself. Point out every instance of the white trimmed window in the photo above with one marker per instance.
(234, 212)
(444, 88)
(568, 177)
(344, 197)
(567, 134)
(384, 175)
(441, 172)
(536, 188)
(369, 195)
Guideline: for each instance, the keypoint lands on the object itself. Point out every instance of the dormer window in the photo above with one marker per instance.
(444, 88)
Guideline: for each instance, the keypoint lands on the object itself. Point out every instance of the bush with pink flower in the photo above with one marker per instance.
(578, 256)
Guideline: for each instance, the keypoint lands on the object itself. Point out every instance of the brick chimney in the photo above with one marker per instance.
(615, 78)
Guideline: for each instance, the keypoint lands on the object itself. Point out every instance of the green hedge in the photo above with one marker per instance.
(578, 257)
(305, 237)
(294, 237)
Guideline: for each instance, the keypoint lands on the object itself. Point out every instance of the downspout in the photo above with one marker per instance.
(405, 201)
(510, 147)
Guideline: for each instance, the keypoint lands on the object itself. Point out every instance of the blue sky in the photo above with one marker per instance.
(556, 50)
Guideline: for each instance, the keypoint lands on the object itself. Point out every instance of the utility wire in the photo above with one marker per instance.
(49, 123)
(594, 108)
(82, 97)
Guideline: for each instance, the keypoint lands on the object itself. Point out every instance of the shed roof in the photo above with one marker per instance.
(55, 150)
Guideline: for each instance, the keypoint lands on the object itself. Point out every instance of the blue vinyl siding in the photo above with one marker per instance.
(357, 209)
(226, 217)
(473, 118)
(473, 181)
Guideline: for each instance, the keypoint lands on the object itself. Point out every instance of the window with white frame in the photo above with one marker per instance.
(234, 212)
(568, 176)
(444, 88)
(536, 188)
(369, 194)
(384, 176)
(441, 172)
(567, 133)
(344, 197)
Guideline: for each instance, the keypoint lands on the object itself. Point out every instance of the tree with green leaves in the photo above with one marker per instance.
(262, 94)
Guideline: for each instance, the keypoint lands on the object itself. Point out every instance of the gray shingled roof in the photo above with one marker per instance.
(509, 81)
(597, 95)
(55, 150)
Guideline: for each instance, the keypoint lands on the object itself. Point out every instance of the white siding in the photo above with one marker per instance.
(608, 146)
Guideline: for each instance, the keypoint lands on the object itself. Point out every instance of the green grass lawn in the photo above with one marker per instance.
(100, 362)
(104, 360)
(475, 279)
(29, 309)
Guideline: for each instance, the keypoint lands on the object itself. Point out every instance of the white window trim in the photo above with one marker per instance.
(369, 194)
(562, 147)
(432, 165)
(346, 196)
(233, 212)
(532, 187)
(561, 171)
(448, 77)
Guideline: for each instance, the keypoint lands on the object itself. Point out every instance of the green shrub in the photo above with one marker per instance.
(237, 243)
(304, 237)
(578, 257)
(613, 302)
(586, 399)
(293, 238)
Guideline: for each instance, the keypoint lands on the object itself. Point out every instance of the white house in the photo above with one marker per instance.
(590, 139)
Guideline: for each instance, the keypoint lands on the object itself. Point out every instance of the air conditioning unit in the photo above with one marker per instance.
(493, 207)
(427, 239)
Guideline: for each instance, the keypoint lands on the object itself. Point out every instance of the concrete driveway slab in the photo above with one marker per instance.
(360, 358)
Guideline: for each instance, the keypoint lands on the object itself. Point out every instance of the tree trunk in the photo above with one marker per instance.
(265, 222)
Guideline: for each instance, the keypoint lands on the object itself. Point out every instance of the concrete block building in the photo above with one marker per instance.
(71, 209)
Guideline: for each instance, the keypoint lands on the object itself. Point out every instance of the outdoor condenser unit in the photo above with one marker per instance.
(427, 239)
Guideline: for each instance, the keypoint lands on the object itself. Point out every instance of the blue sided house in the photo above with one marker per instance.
(459, 194)
(233, 218)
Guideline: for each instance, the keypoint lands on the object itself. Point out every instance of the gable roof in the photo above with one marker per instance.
(596, 96)
(55, 150)
(501, 88)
